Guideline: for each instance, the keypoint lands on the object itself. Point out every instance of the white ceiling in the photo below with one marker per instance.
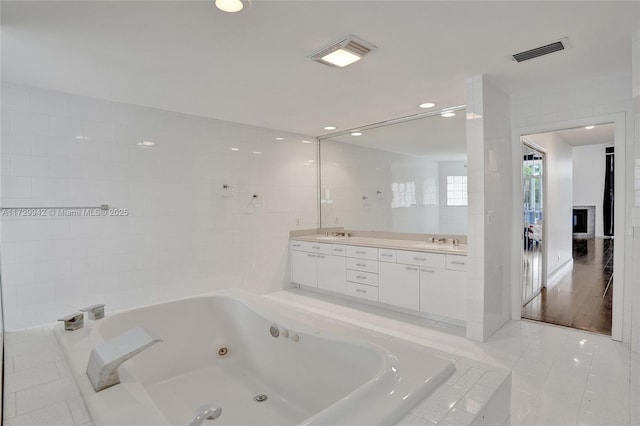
(600, 134)
(252, 67)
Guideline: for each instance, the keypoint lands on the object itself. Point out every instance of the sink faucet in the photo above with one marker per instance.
(206, 412)
(106, 357)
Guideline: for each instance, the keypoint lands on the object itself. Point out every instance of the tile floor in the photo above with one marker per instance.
(560, 376)
(582, 298)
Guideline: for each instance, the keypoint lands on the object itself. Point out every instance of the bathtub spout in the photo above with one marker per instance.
(206, 412)
(106, 357)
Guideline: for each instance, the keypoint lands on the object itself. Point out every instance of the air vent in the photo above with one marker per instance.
(543, 50)
(344, 52)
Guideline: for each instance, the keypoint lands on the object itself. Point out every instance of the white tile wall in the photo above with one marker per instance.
(489, 160)
(635, 266)
(181, 237)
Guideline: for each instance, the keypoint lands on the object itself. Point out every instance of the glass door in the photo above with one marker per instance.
(533, 222)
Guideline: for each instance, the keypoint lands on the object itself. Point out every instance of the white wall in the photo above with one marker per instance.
(605, 99)
(181, 237)
(558, 209)
(588, 179)
(490, 182)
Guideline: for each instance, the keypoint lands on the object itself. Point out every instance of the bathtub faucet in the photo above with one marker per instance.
(106, 357)
(206, 412)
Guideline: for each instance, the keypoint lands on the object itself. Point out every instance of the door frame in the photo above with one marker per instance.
(531, 144)
(621, 310)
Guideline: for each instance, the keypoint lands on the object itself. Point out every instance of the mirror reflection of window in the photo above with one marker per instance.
(404, 194)
(457, 191)
(430, 192)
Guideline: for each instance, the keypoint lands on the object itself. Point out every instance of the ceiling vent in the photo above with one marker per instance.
(556, 46)
(344, 52)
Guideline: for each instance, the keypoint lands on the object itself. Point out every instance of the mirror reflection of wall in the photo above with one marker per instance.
(403, 177)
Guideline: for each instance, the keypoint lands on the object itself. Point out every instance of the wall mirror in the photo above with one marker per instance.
(405, 175)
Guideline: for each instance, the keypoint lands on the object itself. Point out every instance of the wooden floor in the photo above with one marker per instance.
(581, 299)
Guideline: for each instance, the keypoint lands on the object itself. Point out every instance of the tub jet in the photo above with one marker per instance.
(260, 397)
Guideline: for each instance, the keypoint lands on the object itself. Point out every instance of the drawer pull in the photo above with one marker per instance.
(362, 265)
(409, 268)
(311, 255)
(320, 256)
(361, 277)
(296, 245)
(427, 270)
(453, 262)
(359, 290)
(361, 252)
(386, 255)
(315, 247)
(422, 259)
(335, 249)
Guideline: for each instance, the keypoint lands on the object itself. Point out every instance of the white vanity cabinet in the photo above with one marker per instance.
(399, 285)
(433, 283)
(315, 265)
(443, 293)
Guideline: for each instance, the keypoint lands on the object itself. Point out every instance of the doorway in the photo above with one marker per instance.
(578, 252)
(533, 262)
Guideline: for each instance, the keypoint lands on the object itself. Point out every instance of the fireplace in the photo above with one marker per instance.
(584, 221)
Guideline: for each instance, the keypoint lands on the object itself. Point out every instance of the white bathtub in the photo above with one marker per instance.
(317, 380)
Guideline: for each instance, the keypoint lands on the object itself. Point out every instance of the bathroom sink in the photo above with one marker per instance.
(432, 246)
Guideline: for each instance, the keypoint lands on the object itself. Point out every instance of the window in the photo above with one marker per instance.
(457, 191)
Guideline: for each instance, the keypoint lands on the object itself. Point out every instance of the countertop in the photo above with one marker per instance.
(413, 245)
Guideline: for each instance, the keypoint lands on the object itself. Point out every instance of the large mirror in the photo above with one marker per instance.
(407, 175)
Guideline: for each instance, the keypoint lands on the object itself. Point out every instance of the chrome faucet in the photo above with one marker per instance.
(106, 357)
(206, 412)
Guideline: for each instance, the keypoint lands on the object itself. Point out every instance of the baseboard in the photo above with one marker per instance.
(562, 270)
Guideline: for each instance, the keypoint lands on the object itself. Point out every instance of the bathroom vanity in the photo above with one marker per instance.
(412, 275)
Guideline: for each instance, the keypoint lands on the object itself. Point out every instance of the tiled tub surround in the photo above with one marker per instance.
(560, 376)
(475, 394)
(408, 274)
(184, 234)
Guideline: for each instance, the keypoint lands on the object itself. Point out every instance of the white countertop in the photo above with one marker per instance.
(413, 245)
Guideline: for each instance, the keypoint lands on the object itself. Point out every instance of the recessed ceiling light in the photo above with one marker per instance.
(146, 143)
(589, 127)
(448, 114)
(345, 52)
(305, 141)
(229, 5)
(330, 127)
(356, 134)
(234, 149)
(341, 58)
(279, 139)
(82, 138)
(427, 105)
(257, 152)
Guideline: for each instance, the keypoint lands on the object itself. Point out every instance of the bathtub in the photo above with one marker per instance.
(218, 349)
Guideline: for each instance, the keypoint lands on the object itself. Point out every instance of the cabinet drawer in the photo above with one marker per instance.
(362, 252)
(322, 248)
(338, 250)
(457, 263)
(434, 260)
(386, 255)
(362, 291)
(362, 277)
(298, 245)
(362, 265)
